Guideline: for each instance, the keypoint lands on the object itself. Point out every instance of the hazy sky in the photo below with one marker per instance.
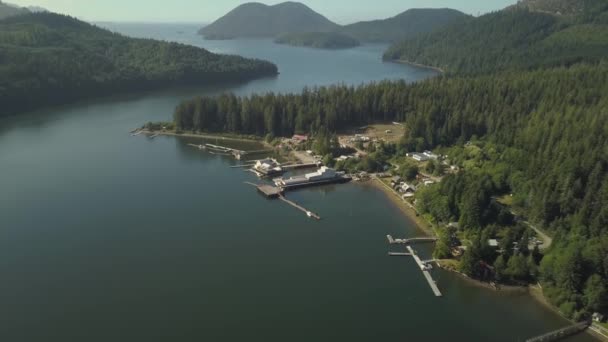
(342, 11)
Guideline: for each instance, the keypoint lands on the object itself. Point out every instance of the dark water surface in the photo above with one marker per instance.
(108, 237)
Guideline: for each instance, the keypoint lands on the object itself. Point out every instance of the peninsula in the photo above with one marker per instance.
(54, 59)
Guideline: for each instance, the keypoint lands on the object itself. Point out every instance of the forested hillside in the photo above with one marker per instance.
(260, 20)
(403, 26)
(48, 58)
(560, 7)
(9, 11)
(263, 21)
(510, 39)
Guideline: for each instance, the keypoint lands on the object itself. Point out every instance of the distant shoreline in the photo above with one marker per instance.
(403, 61)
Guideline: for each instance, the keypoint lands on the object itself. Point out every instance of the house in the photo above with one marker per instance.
(419, 157)
(598, 317)
(430, 155)
(395, 180)
(298, 138)
(406, 188)
(493, 243)
(343, 158)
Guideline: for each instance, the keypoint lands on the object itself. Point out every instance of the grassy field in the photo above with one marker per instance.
(387, 132)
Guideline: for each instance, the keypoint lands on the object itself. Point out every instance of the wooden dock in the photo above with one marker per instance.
(410, 241)
(399, 254)
(269, 191)
(560, 333)
(297, 206)
(425, 271)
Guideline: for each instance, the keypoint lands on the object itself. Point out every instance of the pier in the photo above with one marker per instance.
(561, 333)
(394, 241)
(297, 206)
(424, 265)
(425, 271)
(269, 191)
(273, 192)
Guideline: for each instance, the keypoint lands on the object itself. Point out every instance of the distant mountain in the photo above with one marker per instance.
(405, 25)
(515, 38)
(7, 10)
(560, 7)
(52, 59)
(259, 20)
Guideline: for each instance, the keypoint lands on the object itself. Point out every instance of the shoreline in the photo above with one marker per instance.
(204, 136)
(418, 65)
(533, 291)
(407, 209)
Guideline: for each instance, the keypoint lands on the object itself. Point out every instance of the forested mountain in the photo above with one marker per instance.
(259, 20)
(560, 7)
(9, 10)
(321, 40)
(48, 58)
(403, 26)
(510, 39)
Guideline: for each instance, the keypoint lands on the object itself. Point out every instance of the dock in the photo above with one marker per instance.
(273, 192)
(424, 265)
(425, 271)
(269, 191)
(297, 206)
(410, 241)
(560, 333)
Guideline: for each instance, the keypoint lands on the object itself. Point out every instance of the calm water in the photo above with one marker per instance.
(108, 237)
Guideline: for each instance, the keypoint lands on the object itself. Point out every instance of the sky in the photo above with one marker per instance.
(205, 11)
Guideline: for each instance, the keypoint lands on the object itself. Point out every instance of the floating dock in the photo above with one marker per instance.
(561, 333)
(394, 241)
(425, 271)
(425, 266)
(299, 207)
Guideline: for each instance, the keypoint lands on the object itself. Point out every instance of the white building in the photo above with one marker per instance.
(268, 166)
(430, 155)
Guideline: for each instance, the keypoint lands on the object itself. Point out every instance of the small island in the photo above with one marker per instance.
(319, 40)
